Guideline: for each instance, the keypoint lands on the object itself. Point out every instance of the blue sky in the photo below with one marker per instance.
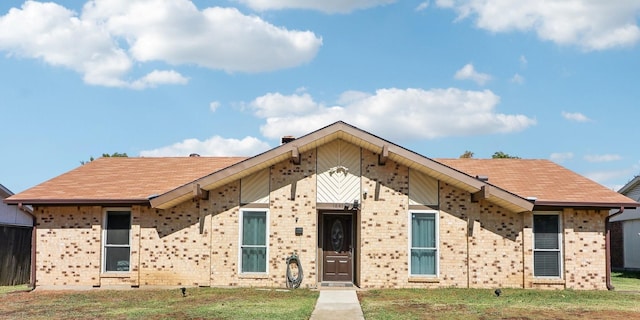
(536, 79)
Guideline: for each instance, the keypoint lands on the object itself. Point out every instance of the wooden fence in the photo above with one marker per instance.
(15, 255)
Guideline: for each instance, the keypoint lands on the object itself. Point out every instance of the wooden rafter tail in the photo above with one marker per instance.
(382, 158)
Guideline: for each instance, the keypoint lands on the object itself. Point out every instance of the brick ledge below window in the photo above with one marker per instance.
(115, 275)
(549, 281)
(424, 280)
(253, 276)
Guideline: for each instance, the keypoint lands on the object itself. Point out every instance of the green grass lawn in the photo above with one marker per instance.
(7, 289)
(623, 303)
(512, 304)
(200, 303)
(215, 303)
(626, 281)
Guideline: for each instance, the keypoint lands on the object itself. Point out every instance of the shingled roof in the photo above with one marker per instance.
(516, 184)
(121, 180)
(545, 181)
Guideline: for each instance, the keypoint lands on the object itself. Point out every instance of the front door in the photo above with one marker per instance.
(337, 248)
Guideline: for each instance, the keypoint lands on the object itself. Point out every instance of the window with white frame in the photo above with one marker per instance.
(547, 253)
(253, 241)
(117, 241)
(423, 243)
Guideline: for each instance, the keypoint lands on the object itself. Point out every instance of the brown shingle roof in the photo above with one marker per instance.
(134, 180)
(542, 179)
(111, 180)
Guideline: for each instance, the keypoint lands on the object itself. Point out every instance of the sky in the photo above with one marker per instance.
(547, 79)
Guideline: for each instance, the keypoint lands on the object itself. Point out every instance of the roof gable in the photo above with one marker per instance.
(514, 184)
(351, 134)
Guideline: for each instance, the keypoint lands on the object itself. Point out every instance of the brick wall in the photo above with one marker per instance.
(196, 243)
(68, 246)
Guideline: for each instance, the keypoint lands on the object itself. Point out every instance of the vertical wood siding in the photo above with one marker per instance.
(255, 188)
(338, 172)
(423, 190)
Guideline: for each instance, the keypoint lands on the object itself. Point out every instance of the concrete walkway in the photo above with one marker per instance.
(337, 304)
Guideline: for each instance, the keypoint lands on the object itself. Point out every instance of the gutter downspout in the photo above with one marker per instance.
(608, 247)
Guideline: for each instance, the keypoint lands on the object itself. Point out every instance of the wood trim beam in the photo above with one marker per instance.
(200, 193)
(484, 193)
(382, 158)
(295, 155)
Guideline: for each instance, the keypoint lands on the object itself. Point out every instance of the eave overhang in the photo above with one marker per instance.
(586, 205)
(64, 202)
(350, 134)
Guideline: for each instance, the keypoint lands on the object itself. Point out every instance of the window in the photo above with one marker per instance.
(546, 245)
(423, 246)
(117, 241)
(253, 241)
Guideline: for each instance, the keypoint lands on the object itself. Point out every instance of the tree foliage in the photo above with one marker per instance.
(502, 155)
(106, 155)
(466, 155)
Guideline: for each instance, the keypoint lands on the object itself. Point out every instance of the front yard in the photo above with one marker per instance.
(199, 303)
(216, 303)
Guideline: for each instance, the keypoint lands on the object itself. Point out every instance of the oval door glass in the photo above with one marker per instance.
(337, 235)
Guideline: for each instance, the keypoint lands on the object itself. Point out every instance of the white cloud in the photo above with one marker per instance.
(575, 116)
(517, 79)
(395, 113)
(605, 176)
(602, 157)
(214, 146)
(109, 37)
(327, 6)
(156, 77)
(468, 72)
(523, 61)
(422, 6)
(592, 25)
(277, 105)
(560, 157)
(214, 105)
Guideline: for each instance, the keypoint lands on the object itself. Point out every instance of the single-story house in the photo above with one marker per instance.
(16, 233)
(625, 231)
(355, 208)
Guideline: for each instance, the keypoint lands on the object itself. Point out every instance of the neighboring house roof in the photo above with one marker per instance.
(631, 186)
(545, 181)
(166, 182)
(14, 215)
(631, 190)
(121, 180)
(4, 192)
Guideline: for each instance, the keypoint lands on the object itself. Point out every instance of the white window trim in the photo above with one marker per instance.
(560, 244)
(410, 234)
(103, 244)
(266, 243)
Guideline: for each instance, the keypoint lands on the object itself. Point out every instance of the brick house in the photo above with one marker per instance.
(356, 209)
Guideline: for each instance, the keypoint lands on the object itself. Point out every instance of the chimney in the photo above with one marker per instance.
(287, 139)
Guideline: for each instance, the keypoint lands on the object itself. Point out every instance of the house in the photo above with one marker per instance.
(625, 231)
(16, 227)
(356, 210)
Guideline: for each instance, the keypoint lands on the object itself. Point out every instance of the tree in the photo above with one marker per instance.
(467, 155)
(106, 155)
(502, 155)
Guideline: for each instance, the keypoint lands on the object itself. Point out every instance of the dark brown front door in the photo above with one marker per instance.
(337, 248)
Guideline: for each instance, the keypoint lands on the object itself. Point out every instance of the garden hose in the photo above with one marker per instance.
(294, 282)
